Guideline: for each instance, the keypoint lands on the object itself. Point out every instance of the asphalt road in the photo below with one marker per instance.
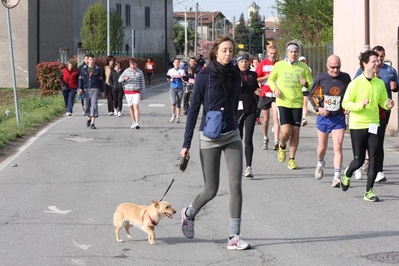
(59, 193)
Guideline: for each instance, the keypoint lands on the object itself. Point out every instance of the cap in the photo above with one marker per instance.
(302, 58)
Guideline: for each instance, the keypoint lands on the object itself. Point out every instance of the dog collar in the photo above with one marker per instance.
(152, 221)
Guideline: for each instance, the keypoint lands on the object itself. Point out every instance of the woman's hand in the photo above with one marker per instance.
(185, 153)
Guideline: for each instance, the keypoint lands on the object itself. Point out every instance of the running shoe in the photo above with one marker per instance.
(292, 164)
(358, 174)
(336, 182)
(172, 119)
(319, 171)
(92, 126)
(265, 144)
(380, 177)
(304, 122)
(275, 148)
(281, 154)
(187, 224)
(248, 172)
(177, 119)
(236, 243)
(88, 122)
(119, 114)
(345, 181)
(370, 196)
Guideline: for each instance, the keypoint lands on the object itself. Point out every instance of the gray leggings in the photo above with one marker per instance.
(176, 95)
(210, 162)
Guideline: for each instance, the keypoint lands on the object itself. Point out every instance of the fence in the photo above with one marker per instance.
(316, 57)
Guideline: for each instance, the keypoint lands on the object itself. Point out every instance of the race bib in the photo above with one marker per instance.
(149, 67)
(332, 103)
(191, 80)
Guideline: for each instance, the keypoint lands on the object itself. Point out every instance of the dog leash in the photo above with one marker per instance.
(173, 180)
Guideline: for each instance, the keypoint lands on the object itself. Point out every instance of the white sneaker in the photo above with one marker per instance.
(115, 112)
(319, 173)
(236, 243)
(248, 172)
(177, 119)
(69, 114)
(172, 119)
(358, 174)
(111, 113)
(119, 114)
(304, 122)
(380, 177)
(134, 125)
(336, 182)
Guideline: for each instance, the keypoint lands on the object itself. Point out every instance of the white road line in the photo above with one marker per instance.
(26, 145)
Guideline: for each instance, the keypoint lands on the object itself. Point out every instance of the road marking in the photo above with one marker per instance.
(80, 140)
(156, 105)
(27, 144)
(54, 209)
(81, 246)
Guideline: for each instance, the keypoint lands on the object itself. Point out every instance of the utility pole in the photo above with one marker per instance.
(185, 33)
(234, 27)
(196, 29)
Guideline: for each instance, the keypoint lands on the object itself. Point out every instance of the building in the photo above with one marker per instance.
(210, 23)
(361, 25)
(41, 27)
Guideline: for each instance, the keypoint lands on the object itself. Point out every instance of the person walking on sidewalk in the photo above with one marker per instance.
(134, 86)
(247, 107)
(286, 81)
(91, 84)
(175, 76)
(108, 86)
(217, 86)
(326, 96)
(69, 76)
(362, 98)
(267, 97)
(117, 88)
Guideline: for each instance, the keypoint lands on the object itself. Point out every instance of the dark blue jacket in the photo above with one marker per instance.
(96, 80)
(209, 93)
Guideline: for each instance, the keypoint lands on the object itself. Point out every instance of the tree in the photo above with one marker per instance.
(310, 21)
(256, 33)
(179, 38)
(94, 29)
(241, 34)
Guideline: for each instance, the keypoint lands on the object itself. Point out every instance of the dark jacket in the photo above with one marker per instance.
(209, 93)
(249, 85)
(96, 80)
(113, 80)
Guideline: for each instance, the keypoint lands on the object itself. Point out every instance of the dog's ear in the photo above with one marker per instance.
(156, 203)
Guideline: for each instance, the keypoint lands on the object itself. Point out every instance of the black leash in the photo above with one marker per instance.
(167, 189)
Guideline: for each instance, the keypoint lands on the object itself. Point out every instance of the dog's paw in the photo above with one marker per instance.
(129, 236)
(120, 240)
(152, 242)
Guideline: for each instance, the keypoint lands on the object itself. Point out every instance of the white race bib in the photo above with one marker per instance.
(332, 103)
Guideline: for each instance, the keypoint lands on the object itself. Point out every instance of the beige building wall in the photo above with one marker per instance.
(349, 37)
(19, 28)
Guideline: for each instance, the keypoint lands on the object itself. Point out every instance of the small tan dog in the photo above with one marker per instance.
(143, 217)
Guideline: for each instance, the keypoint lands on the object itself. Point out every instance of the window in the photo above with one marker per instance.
(127, 15)
(147, 17)
(119, 9)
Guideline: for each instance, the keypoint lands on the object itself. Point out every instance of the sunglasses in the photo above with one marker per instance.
(334, 67)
